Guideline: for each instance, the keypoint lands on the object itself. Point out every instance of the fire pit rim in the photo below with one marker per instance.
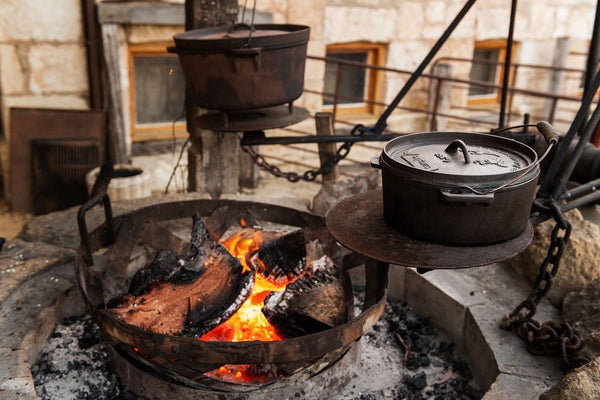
(313, 346)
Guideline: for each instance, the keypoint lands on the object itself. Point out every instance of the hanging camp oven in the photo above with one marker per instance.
(459, 188)
(243, 67)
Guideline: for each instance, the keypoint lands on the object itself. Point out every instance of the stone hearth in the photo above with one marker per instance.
(37, 290)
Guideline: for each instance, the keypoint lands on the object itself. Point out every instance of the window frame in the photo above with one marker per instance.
(375, 56)
(156, 131)
(492, 44)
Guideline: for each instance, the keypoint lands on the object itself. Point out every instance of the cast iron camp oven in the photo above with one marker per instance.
(459, 188)
(242, 67)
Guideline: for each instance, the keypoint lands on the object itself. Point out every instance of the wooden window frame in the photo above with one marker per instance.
(375, 56)
(151, 131)
(493, 44)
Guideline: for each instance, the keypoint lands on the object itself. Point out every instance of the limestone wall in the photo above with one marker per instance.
(42, 55)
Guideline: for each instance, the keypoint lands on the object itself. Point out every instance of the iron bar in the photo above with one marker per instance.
(581, 201)
(382, 122)
(592, 59)
(548, 186)
(586, 134)
(507, 59)
(255, 141)
(581, 189)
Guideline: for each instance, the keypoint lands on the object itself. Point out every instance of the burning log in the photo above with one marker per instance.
(281, 259)
(186, 294)
(319, 299)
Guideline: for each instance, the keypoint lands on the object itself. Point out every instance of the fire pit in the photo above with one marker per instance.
(123, 246)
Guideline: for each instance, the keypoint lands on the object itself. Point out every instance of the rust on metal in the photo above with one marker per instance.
(252, 120)
(357, 223)
(185, 359)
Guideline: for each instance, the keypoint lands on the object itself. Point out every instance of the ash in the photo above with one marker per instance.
(73, 365)
(403, 357)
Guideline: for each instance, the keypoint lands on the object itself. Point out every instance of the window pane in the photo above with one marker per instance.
(159, 89)
(484, 72)
(353, 80)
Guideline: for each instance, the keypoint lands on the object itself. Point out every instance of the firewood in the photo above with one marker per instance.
(281, 259)
(316, 301)
(187, 294)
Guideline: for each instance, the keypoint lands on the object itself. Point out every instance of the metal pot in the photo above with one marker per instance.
(459, 188)
(231, 69)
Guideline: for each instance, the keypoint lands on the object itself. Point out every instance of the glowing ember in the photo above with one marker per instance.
(248, 323)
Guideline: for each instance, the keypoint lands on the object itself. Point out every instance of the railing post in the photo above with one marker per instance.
(324, 126)
(439, 96)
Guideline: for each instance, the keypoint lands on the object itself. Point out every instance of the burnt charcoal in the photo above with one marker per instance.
(281, 259)
(164, 266)
(314, 302)
(222, 219)
(186, 294)
(88, 338)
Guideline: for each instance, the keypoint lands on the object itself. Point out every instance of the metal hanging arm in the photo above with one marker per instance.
(382, 121)
(507, 61)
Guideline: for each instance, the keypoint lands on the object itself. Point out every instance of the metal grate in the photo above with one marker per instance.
(59, 170)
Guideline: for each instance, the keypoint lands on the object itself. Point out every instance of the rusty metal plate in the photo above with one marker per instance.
(252, 120)
(357, 223)
(27, 124)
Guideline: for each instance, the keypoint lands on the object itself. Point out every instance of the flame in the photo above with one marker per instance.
(248, 323)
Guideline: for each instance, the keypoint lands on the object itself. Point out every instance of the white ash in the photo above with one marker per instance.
(73, 364)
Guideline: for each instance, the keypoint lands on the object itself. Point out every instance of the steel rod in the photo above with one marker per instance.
(581, 201)
(548, 185)
(382, 121)
(507, 59)
(586, 134)
(259, 141)
(581, 189)
(592, 59)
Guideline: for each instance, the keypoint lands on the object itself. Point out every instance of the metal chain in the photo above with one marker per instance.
(311, 174)
(549, 338)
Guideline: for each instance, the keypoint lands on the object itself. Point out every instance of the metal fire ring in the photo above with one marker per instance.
(357, 223)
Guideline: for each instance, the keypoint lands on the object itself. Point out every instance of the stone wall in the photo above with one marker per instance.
(43, 57)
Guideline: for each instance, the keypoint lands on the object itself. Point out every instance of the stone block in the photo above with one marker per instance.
(332, 192)
(12, 74)
(582, 309)
(491, 23)
(16, 381)
(435, 12)
(410, 21)
(58, 68)
(511, 387)
(581, 383)
(579, 264)
(39, 21)
(347, 24)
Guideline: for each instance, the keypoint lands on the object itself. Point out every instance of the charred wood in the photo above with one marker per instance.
(187, 294)
(316, 301)
(281, 259)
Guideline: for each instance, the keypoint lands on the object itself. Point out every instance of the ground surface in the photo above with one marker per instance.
(10, 222)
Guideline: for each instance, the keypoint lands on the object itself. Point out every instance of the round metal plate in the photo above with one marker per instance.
(357, 223)
(252, 120)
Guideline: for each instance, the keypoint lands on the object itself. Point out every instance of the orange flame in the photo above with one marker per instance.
(248, 323)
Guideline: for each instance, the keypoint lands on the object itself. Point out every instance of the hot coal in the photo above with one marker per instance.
(186, 294)
(316, 301)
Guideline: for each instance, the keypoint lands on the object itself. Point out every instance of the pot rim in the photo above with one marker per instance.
(292, 35)
(528, 172)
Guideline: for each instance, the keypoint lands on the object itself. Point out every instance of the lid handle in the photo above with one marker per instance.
(459, 144)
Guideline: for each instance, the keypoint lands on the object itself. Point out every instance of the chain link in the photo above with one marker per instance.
(311, 174)
(549, 338)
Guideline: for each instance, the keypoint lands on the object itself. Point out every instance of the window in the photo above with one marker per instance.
(157, 93)
(358, 86)
(486, 56)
